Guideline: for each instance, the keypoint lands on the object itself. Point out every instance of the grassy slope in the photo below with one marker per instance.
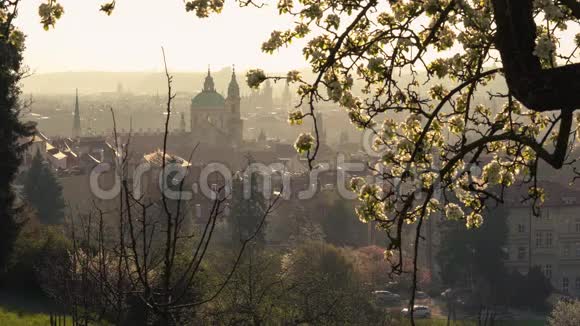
(24, 309)
(443, 322)
(23, 319)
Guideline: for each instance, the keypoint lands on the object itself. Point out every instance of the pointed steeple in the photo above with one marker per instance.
(182, 123)
(208, 85)
(267, 95)
(233, 88)
(287, 96)
(267, 85)
(262, 136)
(76, 132)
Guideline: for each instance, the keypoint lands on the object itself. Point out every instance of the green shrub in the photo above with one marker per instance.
(34, 245)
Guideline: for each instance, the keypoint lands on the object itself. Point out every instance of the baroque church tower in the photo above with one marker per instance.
(216, 120)
(233, 100)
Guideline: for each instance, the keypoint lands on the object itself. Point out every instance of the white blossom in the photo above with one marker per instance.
(348, 100)
(473, 220)
(295, 117)
(334, 90)
(405, 145)
(301, 29)
(333, 20)
(285, 5)
(492, 172)
(375, 64)
(456, 124)
(389, 129)
(314, 11)
(508, 178)
(388, 254)
(431, 6)
(304, 142)
(274, 42)
(293, 76)
(551, 11)
(255, 77)
(369, 191)
(356, 183)
(544, 47)
(453, 212)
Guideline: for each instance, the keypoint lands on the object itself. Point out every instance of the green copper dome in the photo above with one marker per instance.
(208, 99)
(208, 96)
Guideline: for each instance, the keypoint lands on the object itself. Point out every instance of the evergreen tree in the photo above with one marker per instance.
(11, 129)
(529, 291)
(44, 192)
(342, 227)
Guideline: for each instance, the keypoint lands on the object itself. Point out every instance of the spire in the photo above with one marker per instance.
(208, 85)
(182, 123)
(267, 84)
(267, 95)
(262, 136)
(233, 88)
(287, 96)
(76, 132)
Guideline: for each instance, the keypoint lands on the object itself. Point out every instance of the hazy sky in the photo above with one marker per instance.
(131, 39)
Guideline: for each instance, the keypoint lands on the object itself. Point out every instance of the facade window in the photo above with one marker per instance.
(548, 271)
(521, 228)
(548, 239)
(577, 224)
(577, 249)
(521, 253)
(538, 239)
(566, 251)
(565, 284)
(577, 285)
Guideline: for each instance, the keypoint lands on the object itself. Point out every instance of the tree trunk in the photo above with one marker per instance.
(537, 88)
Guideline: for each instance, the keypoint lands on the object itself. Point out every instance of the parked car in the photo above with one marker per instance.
(421, 295)
(418, 312)
(384, 297)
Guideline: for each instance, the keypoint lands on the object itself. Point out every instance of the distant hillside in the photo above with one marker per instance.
(154, 82)
(135, 82)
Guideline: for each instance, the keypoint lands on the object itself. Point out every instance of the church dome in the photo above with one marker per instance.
(208, 96)
(208, 99)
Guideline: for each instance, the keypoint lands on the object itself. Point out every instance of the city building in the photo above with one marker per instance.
(549, 239)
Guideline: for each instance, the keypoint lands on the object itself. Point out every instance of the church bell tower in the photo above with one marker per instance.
(233, 100)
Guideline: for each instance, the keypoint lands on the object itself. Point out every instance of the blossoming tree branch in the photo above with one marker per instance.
(444, 132)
